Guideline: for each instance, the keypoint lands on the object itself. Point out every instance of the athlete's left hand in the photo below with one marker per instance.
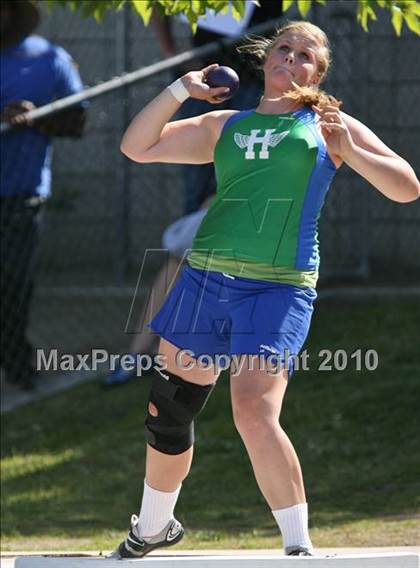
(334, 130)
(15, 113)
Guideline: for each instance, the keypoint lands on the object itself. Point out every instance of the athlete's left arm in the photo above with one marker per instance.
(378, 164)
(365, 153)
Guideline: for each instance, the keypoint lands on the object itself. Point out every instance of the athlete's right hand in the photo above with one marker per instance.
(194, 82)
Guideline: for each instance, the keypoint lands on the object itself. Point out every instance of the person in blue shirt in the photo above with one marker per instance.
(34, 72)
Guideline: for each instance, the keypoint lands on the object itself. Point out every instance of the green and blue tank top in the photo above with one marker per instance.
(273, 173)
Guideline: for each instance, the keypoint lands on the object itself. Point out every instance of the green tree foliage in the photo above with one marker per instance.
(401, 11)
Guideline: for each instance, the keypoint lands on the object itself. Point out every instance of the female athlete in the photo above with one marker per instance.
(247, 292)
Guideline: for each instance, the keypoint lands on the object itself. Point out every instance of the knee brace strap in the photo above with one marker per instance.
(178, 402)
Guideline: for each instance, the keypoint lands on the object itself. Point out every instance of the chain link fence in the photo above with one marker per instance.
(363, 234)
(106, 211)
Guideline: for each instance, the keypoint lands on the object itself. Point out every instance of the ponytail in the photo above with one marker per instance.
(308, 96)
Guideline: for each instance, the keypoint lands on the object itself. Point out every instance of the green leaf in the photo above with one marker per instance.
(203, 7)
(88, 7)
(216, 4)
(372, 13)
(287, 4)
(193, 23)
(397, 20)
(191, 16)
(364, 12)
(238, 9)
(117, 5)
(400, 11)
(304, 6)
(169, 8)
(143, 9)
(413, 22)
(362, 17)
(95, 8)
(413, 8)
(99, 10)
(195, 6)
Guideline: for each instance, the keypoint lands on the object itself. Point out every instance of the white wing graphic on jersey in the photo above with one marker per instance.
(241, 139)
(277, 138)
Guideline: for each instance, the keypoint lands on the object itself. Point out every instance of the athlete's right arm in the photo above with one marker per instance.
(152, 138)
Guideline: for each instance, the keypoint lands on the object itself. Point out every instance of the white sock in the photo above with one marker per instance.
(293, 524)
(157, 509)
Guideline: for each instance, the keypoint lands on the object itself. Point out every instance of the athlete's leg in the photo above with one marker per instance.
(166, 472)
(179, 391)
(257, 398)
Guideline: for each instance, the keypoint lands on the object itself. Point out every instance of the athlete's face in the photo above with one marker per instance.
(292, 58)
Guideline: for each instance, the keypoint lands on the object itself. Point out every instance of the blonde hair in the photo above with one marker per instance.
(260, 47)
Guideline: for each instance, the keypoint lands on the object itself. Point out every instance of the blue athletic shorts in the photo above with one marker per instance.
(212, 313)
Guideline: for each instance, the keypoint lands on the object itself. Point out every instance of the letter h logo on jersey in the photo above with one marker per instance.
(268, 139)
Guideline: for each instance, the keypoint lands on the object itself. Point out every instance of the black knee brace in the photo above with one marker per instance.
(178, 402)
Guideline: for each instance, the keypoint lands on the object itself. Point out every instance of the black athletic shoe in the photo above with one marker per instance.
(135, 546)
(298, 551)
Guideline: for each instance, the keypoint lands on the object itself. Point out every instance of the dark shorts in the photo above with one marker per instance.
(212, 313)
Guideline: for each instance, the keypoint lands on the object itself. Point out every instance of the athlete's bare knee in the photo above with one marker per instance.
(152, 409)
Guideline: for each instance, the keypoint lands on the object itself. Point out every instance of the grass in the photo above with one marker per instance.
(73, 464)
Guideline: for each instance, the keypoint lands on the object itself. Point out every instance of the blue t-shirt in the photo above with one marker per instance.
(38, 71)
